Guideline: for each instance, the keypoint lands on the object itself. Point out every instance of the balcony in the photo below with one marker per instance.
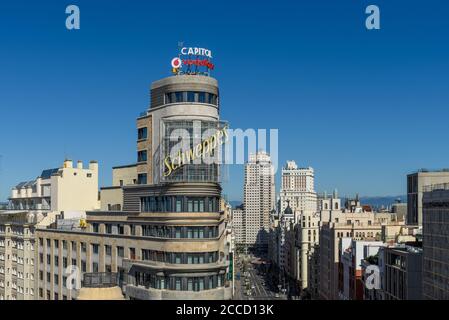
(101, 280)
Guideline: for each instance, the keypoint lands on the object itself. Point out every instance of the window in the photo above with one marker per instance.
(179, 97)
(95, 248)
(108, 250)
(132, 253)
(142, 178)
(178, 204)
(108, 228)
(190, 96)
(94, 267)
(142, 156)
(142, 133)
(120, 252)
(83, 247)
(201, 97)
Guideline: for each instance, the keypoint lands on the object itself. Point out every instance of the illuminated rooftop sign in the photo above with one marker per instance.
(193, 60)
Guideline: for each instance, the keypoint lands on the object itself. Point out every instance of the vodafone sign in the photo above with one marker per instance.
(176, 63)
(193, 60)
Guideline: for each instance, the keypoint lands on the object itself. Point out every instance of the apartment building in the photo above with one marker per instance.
(356, 225)
(435, 233)
(17, 255)
(53, 190)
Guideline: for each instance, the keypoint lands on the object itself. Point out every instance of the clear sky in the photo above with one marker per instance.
(362, 107)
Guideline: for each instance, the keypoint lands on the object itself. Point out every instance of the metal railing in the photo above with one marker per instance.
(433, 187)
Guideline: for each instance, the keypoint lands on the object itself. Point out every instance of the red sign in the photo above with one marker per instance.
(200, 63)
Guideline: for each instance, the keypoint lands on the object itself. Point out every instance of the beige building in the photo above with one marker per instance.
(157, 255)
(17, 258)
(334, 226)
(165, 232)
(112, 197)
(415, 185)
(67, 190)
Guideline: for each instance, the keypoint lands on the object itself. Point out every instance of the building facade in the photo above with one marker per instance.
(436, 242)
(415, 184)
(165, 229)
(259, 200)
(17, 257)
(298, 188)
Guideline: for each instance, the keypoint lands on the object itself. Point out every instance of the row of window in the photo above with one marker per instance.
(179, 232)
(191, 96)
(179, 283)
(95, 250)
(179, 204)
(179, 257)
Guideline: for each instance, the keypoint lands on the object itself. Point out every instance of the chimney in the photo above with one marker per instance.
(79, 165)
(68, 163)
(93, 165)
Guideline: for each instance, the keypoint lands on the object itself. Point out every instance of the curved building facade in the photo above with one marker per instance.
(188, 257)
(167, 238)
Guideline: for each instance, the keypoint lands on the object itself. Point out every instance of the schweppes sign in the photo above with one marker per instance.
(200, 151)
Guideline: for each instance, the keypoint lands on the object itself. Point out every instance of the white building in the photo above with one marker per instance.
(62, 189)
(238, 227)
(259, 200)
(353, 252)
(298, 188)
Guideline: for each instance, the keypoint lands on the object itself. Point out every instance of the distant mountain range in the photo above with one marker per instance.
(376, 202)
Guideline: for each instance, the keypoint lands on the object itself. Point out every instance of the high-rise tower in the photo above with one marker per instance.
(259, 200)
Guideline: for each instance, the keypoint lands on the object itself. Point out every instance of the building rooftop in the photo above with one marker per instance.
(46, 174)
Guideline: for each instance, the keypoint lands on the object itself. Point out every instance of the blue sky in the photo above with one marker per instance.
(362, 107)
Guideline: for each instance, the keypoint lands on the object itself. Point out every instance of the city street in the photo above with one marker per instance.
(254, 284)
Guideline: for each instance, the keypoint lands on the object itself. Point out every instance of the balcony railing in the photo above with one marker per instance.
(101, 280)
(433, 187)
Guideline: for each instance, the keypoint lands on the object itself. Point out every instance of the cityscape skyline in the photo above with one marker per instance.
(234, 152)
(405, 62)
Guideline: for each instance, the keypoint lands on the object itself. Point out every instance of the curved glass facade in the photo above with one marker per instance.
(191, 96)
(179, 204)
(150, 280)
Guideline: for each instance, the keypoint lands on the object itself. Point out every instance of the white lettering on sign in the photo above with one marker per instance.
(196, 51)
